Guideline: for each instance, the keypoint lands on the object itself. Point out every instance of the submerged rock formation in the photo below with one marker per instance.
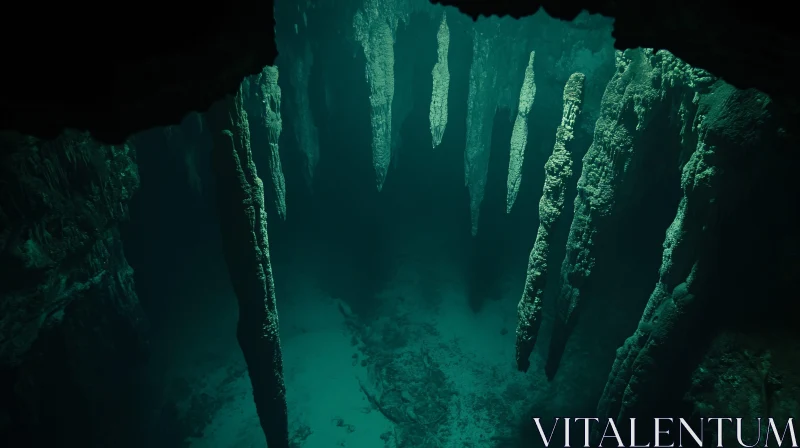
(305, 130)
(402, 105)
(441, 84)
(72, 330)
(269, 93)
(498, 55)
(728, 129)
(641, 92)
(243, 222)
(481, 107)
(374, 25)
(558, 171)
(519, 136)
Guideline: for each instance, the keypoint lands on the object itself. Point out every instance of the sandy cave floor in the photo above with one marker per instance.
(429, 373)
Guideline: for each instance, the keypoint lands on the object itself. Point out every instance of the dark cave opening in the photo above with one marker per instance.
(371, 282)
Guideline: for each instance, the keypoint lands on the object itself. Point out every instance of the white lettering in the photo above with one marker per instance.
(719, 429)
(739, 433)
(613, 427)
(684, 425)
(659, 432)
(633, 436)
(586, 421)
(545, 440)
(566, 433)
(779, 438)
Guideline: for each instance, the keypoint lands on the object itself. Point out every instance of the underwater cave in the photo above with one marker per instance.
(401, 224)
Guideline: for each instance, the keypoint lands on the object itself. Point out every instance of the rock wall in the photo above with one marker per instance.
(636, 107)
(686, 308)
(71, 328)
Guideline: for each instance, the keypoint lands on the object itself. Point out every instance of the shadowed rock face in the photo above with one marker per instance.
(240, 202)
(72, 332)
(145, 69)
(729, 127)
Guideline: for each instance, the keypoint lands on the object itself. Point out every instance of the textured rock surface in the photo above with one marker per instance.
(500, 52)
(243, 223)
(161, 76)
(402, 105)
(269, 94)
(728, 125)
(305, 129)
(519, 135)
(641, 92)
(749, 375)
(558, 170)
(441, 84)
(67, 302)
(375, 25)
(481, 107)
(746, 46)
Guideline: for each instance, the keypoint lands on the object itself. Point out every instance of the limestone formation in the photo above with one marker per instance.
(519, 135)
(498, 55)
(728, 128)
(374, 25)
(441, 84)
(402, 105)
(243, 223)
(558, 171)
(481, 107)
(72, 330)
(641, 91)
(305, 130)
(269, 94)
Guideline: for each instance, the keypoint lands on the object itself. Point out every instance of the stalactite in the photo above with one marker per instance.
(243, 223)
(269, 93)
(481, 106)
(402, 105)
(441, 84)
(730, 127)
(304, 128)
(558, 170)
(374, 29)
(642, 90)
(519, 135)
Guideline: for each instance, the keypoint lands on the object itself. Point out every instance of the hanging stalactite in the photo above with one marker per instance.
(269, 93)
(519, 135)
(639, 94)
(305, 130)
(481, 106)
(374, 30)
(558, 171)
(441, 84)
(245, 243)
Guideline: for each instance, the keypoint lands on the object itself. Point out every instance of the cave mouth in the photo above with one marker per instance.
(390, 285)
(390, 288)
(397, 284)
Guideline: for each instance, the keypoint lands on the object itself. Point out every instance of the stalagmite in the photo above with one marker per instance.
(243, 223)
(729, 128)
(269, 93)
(374, 29)
(305, 130)
(558, 171)
(481, 106)
(642, 90)
(441, 84)
(519, 135)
